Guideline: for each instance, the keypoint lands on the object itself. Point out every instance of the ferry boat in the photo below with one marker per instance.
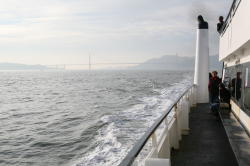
(235, 53)
(191, 135)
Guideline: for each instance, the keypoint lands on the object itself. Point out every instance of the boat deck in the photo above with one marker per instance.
(238, 137)
(207, 143)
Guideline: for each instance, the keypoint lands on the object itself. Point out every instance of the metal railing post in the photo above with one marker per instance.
(177, 133)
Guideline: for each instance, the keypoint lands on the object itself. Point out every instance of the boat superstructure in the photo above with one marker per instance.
(235, 53)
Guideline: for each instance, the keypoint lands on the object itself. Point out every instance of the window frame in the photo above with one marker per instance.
(230, 74)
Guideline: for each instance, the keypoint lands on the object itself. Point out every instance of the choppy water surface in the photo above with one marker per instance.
(80, 118)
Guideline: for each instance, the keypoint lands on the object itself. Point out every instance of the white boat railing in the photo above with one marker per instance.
(230, 15)
(164, 134)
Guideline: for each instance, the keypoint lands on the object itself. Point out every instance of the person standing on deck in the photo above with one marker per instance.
(220, 25)
(213, 87)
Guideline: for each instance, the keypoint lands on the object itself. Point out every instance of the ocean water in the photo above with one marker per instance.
(80, 118)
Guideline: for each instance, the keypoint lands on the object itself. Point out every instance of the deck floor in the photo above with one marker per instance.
(207, 143)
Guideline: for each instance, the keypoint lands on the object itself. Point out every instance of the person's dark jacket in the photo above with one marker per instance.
(213, 86)
(220, 27)
(224, 94)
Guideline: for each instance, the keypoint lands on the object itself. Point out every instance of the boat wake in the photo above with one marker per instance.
(123, 129)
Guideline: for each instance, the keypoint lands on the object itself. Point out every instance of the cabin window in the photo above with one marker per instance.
(229, 80)
(236, 86)
(247, 82)
(240, 77)
(237, 81)
(247, 89)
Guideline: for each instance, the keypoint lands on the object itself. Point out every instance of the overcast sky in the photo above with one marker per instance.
(67, 31)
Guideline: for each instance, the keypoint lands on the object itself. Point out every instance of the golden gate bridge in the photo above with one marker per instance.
(89, 65)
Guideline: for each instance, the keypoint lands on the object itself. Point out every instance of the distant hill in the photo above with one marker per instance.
(168, 62)
(174, 62)
(16, 66)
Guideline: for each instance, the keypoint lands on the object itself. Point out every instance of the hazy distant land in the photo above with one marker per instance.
(174, 62)
(16, 66)
(168, 62)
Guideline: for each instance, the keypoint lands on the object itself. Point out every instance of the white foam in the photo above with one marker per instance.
(110, 151)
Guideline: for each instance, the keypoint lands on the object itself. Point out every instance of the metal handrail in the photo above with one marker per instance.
(131, 156)
(232, 12)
